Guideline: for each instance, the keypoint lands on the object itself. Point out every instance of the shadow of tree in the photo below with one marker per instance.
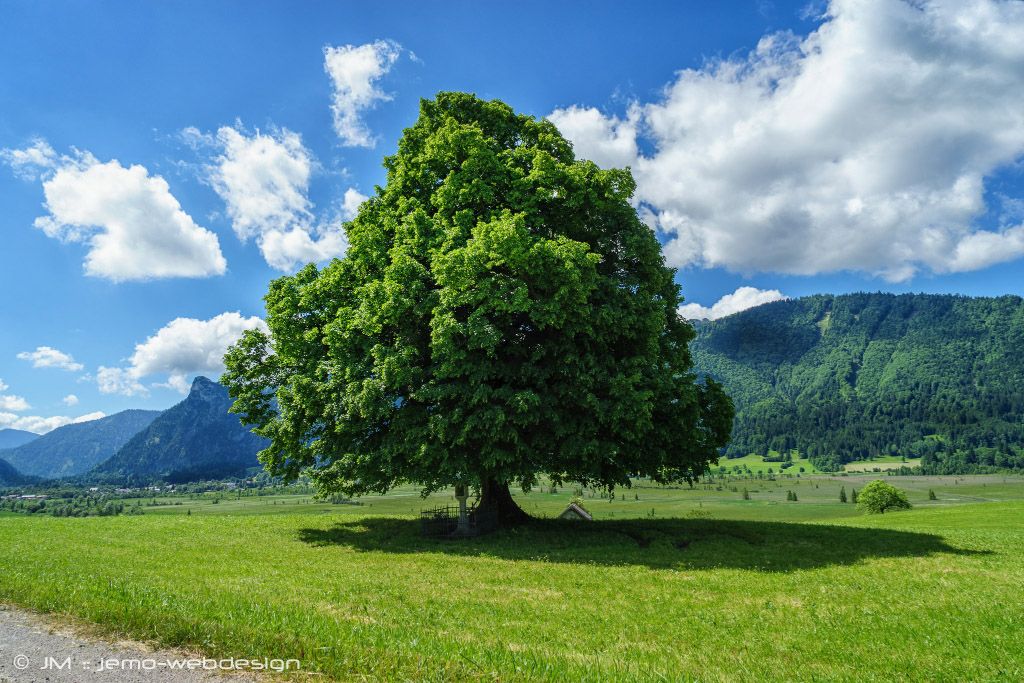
(658, 544)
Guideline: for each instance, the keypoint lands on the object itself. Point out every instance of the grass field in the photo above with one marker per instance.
(667, 584)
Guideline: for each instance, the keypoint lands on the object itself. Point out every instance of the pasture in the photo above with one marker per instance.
(665, 584)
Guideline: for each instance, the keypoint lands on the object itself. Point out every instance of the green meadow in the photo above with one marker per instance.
(666, 584)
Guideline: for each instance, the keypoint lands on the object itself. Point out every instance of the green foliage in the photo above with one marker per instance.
(842, 494)
(852, 377)
(877, 496)
(931, 495)
(501, 313)
(853, 496)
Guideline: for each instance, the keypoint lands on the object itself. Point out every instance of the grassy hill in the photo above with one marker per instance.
(852, 377)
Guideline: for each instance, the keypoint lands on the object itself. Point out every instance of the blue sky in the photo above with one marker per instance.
(788, 148)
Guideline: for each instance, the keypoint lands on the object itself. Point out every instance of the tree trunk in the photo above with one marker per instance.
(496, 503)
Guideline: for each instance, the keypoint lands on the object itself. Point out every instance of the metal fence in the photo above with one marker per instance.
(443, 522)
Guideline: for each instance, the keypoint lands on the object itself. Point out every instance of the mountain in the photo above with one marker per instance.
(841, 378)
(77, 448)
(195, 439)
(12, 438)
(10, 476)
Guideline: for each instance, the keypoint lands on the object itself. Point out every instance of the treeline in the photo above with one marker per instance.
(74, 505)
(851, 377)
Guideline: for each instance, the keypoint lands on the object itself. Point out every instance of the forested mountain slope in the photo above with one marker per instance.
(12, 438)
(845, 377)
(9, 476)
(77, 448)
(195, 439)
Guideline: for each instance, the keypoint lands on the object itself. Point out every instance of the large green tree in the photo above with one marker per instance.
(501, 313)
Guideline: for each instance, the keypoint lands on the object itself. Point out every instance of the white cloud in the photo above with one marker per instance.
(134, 226)
(863, 146)
(184, 347)
(70, 400)
(354, 72)
(264, 181)
(32, 161)
(42, 425)
(740, 300)
(608, 141)
(3, 385)
(350, 205)
(119, 381)
(15, 403)
(49, 357)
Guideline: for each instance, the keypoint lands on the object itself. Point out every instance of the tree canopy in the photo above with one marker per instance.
(501, 313)
(877, 496)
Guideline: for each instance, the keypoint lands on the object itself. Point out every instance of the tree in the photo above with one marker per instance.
(877, 496)
(842, 494)
(501, 313)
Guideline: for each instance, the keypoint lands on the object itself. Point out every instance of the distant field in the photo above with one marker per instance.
(667, 584)
(883, 463)
(756, 463)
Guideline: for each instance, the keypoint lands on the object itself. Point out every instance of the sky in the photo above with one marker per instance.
(160, 163)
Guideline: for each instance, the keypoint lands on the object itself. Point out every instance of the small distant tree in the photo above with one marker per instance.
(877, 497)
(931, 495)
(853, 496)
(746, 494)
(842, 494)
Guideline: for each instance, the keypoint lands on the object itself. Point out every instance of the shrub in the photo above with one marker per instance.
(877, 496)
(842, 494)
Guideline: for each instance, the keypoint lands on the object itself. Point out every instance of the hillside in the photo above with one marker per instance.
(9, 476)
(12, 438)
(195, 439)
(843, 378)
(77, 448)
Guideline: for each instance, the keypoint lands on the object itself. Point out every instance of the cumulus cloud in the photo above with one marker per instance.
(351, 203)
(355, 71)
(3, 385)
(15, 403)
(49, 357)
(70, 400)
(183, 348)
(863, 146)
(263, 179)
(119, 381)
(740, 300)
(42, 425)
(29, 163)
(134, 227)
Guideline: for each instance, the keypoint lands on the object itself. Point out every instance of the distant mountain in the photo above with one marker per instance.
(77, 448)
(9, 476)
(196, 439)
(841, 378)
(12, 438)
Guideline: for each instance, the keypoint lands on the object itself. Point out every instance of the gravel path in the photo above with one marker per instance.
(34, 649)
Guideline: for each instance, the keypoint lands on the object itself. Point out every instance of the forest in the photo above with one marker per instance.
(851, 377)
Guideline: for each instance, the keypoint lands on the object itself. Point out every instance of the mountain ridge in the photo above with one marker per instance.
(195, 439)
(76, 448)
(12, 438)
